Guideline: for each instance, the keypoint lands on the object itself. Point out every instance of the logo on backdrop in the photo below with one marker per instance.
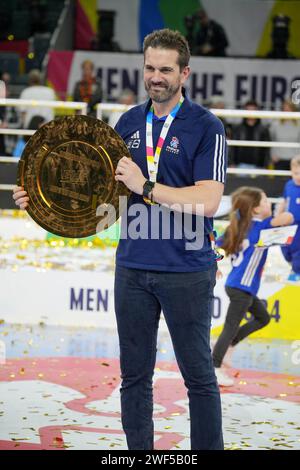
(296, 93)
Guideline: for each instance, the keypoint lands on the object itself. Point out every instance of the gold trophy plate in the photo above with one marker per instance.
(68, 170)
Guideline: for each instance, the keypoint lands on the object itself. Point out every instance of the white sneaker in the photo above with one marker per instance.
(222, 378)
(227, 358)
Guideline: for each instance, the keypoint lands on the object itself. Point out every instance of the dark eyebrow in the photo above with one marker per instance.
(166, 69)
(162, 69)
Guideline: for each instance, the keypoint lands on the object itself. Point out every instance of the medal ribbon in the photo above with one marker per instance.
(153, 157)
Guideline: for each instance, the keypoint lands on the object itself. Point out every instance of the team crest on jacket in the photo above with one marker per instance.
(173, 147)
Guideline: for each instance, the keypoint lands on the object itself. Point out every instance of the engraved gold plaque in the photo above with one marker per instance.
(68, 170)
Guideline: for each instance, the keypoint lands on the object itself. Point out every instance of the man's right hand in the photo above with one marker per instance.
(20, 197)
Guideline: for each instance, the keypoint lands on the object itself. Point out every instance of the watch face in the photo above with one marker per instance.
(147, 188)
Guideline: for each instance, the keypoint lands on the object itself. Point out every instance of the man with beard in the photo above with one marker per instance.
(178, 154)
(178, 158)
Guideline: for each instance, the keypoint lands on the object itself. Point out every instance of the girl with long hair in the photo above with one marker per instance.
(250, 213)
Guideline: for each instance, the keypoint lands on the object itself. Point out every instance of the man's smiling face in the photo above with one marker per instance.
(162, 76)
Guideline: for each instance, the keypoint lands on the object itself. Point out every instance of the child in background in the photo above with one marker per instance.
(291, 203)
(35, 123)
(250, 213)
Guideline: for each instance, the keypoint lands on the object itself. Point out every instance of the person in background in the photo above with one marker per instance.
(189, 23)
(216, 102)
(38, 92)
(211, 40)
(3, 124)
(291, 203)
(250, 129)
(127, 98)
(89, 88)
(9, 118)
(35, 123)
(4, 80)
(285, 130)
(250, 213)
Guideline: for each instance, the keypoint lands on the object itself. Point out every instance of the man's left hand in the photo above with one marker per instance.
(131, 175)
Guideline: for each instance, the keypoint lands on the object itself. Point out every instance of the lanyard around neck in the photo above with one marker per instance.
(153, 157)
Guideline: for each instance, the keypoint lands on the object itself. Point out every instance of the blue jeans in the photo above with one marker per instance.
(186, 300)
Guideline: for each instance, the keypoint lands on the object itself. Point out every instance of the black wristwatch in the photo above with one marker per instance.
(147, 188)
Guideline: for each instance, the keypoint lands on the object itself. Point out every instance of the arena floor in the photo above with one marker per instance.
(60, 383)
(59, 390)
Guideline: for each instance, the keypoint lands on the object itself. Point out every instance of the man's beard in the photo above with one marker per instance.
(164, 94)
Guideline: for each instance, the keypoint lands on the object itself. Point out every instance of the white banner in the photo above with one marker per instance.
(234, 80)
(58, 298)
(81, 299)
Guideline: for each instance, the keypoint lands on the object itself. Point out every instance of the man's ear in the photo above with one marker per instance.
(186, 73)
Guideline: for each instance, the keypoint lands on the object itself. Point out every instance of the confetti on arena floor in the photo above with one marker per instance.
(73, 402)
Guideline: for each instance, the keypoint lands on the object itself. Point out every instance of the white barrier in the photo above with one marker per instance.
(6, 131)
(115, 107)
(86, 299)
(243, 113)
(235, 113)
(41, 103)
(262, 143)
(82, 107)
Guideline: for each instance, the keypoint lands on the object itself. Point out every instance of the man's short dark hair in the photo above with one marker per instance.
(169, 39)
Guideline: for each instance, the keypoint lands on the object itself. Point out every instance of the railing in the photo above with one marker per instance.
(48, 103)
(82, 107)
(114, 107)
